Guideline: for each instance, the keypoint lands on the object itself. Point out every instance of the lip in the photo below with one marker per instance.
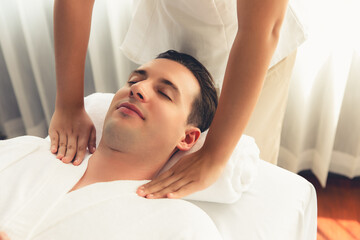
(132, 107)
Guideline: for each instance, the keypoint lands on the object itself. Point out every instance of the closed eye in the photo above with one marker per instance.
(164, 95)
(131, 82)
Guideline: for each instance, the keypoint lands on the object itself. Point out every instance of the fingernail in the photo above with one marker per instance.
(170, 195)
(53, 149)
(93, 149)
(150, 196)
(141, 191)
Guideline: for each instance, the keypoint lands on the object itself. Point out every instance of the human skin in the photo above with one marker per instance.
(71, 130)
(259, 23)
(4, 236)
(136, 144)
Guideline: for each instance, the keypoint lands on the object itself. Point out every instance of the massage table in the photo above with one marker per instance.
(252, 199)
(278, 204)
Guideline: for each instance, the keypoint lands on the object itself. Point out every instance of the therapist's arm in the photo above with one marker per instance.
(71, 130)
(259, 23)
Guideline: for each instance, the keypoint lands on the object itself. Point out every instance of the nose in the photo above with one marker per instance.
(138, 91)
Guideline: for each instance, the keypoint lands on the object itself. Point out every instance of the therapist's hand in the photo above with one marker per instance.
(71, 131)
(192, 173)
(4, 236)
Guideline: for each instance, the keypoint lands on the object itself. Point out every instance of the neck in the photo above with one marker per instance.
(108, 165)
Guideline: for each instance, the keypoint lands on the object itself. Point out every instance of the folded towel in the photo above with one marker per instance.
(238, 174)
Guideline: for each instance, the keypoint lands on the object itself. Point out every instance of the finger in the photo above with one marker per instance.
(159, 184)
(170, 189)
(141, 190)
(81, 150)
(54, 138)
(62, 146)
(71, 148)
(4, 236)
(92, 141)
(183, 191)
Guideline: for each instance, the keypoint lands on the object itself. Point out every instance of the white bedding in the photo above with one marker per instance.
(275, 204)
(35, 204)
(279, 205)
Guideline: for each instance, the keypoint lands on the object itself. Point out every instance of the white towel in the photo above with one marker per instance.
(238, 174)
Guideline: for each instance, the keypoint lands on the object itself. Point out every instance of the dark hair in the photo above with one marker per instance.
(204, 105)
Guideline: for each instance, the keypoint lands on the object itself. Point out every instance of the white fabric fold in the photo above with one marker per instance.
(276, 205)
(239, 173)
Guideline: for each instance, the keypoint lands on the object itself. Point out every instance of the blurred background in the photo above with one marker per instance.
(321, 129)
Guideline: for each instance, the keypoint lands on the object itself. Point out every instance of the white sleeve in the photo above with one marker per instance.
(14, 149)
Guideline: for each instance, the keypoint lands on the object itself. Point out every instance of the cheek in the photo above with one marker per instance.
(121, 93)
(172, 117)
(169, 124)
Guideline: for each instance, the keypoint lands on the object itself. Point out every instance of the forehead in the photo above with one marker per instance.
(174, 72)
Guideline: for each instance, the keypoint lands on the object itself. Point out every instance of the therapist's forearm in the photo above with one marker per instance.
(247, 66)
(241, 89)
(72, 22)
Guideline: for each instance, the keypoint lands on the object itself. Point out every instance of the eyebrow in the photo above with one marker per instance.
(140, 72)
(162, 80)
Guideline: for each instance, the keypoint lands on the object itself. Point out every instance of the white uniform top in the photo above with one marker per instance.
(205, 29)
(35, 203)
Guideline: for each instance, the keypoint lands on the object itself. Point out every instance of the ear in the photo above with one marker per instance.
(192, 134)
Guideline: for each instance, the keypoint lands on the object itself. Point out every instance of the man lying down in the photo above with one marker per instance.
(158, 112)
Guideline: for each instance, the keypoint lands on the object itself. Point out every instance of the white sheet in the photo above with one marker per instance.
(34, 204)
(279, 205)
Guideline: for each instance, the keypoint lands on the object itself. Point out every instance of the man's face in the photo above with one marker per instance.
(150, 112)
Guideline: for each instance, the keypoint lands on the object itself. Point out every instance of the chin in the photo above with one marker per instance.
(118, 138)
